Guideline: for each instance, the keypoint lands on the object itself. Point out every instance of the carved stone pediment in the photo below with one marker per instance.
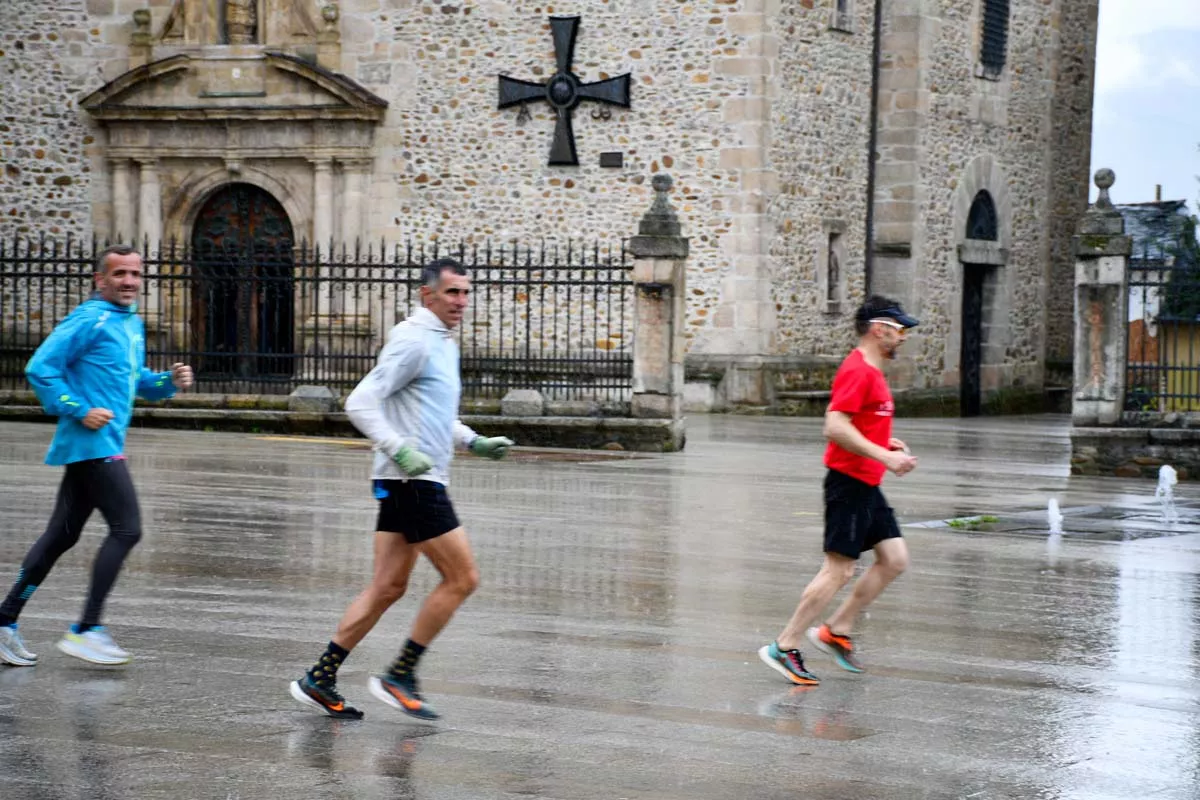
(263, 86)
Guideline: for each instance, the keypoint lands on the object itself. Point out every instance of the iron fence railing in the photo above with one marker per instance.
(554, 317)
(1163, 334)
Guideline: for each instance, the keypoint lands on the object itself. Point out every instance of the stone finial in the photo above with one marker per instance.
(658, 232)
(1104, 178)
(140, 41)
(329, 13)
(660, 220)
(1102, 222)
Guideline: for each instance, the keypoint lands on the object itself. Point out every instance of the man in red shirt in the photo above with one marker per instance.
(858, 425)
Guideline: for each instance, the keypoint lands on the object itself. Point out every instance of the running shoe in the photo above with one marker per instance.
(324, 699)
(837, 647)
(95, 646)
(402, 693)
(788, 663)
(12, 648)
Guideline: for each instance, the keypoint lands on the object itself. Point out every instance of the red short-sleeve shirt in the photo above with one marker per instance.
(861, 391)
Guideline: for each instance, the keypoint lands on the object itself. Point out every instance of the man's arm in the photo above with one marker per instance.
(155, 385)
(399, 364)
(463, 435)
(839, 429)
(47, 370)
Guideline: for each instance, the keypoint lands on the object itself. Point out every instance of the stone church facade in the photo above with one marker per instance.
(379, 120)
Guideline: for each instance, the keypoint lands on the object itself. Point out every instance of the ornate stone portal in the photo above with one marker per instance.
(236, 106)
(222, 94)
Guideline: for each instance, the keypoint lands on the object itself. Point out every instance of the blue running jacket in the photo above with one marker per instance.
(95, 358)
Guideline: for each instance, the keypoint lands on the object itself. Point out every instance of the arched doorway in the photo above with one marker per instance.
(244, 300)
(982, 226)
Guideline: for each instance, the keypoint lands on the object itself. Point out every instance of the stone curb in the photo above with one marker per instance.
(580, 433)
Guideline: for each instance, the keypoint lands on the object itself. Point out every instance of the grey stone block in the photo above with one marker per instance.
(523, 403)
(572, 408)
(319, 399)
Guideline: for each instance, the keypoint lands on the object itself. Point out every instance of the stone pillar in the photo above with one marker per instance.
(1101, 318)
(124, 227)
(354, 181)
(323, 230)
(149, 231)
(322, 203)
(659, 276)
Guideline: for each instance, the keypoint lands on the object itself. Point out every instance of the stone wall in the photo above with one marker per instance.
(945, 133)
(759, 108)
(1071, 148)
(48, 53)
(1135, 452)
(819, 140)
(451, 165)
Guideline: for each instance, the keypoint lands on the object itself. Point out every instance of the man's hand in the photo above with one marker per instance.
(900, 462)
(97, 418)
(412, 462)
(896, 444)
(494, 448)
(181, 376)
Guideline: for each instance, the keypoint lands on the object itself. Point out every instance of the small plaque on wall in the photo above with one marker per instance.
(612, 159)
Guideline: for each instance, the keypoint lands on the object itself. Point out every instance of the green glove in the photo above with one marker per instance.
(412, 462)
(495, 448)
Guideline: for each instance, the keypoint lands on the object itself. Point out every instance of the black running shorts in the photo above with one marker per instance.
(417, 510)
(857, 516)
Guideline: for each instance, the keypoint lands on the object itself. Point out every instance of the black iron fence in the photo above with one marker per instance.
(1163, 351)
(554, 317)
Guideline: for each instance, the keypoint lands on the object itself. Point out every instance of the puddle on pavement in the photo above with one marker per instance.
(1087, 523)
(732, 720)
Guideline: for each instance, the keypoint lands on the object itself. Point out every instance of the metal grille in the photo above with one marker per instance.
(1163, 351)
(255, 320)
(995, 36)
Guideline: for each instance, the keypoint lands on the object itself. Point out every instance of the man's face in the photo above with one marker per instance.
(890, 335)
(121, 279)
(448, 300)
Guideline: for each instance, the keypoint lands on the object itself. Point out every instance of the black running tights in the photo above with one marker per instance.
(102, 484)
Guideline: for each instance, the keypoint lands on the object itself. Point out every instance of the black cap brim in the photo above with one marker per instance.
(906, 320)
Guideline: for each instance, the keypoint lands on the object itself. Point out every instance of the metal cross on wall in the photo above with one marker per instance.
(564, 91)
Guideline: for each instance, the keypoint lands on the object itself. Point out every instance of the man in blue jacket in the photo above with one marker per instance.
(87, 373)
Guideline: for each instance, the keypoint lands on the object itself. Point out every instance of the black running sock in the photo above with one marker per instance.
(406, 663)
(324, 672)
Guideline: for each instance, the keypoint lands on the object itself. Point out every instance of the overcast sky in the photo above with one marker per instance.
(1146, 124)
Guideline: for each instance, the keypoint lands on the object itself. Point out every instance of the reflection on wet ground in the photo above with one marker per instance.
(610, 650)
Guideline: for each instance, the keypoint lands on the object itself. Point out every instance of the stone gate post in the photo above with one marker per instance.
(659, 278)
(1101, 318)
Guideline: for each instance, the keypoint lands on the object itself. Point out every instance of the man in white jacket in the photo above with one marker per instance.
(408, 407)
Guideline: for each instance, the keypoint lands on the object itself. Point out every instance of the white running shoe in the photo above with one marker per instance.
(95, 646)
(13, 650)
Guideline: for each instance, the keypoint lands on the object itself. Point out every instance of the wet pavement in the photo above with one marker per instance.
(610, 650)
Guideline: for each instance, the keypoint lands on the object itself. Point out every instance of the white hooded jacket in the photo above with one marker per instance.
(411, 398)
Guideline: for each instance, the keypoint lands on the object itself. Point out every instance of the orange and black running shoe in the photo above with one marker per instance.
(836, 646)
(402, 693)
(323, 698)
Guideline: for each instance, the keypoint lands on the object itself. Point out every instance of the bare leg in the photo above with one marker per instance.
(891, 559)
(451, 556)
(835, 573)
(394, 560)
